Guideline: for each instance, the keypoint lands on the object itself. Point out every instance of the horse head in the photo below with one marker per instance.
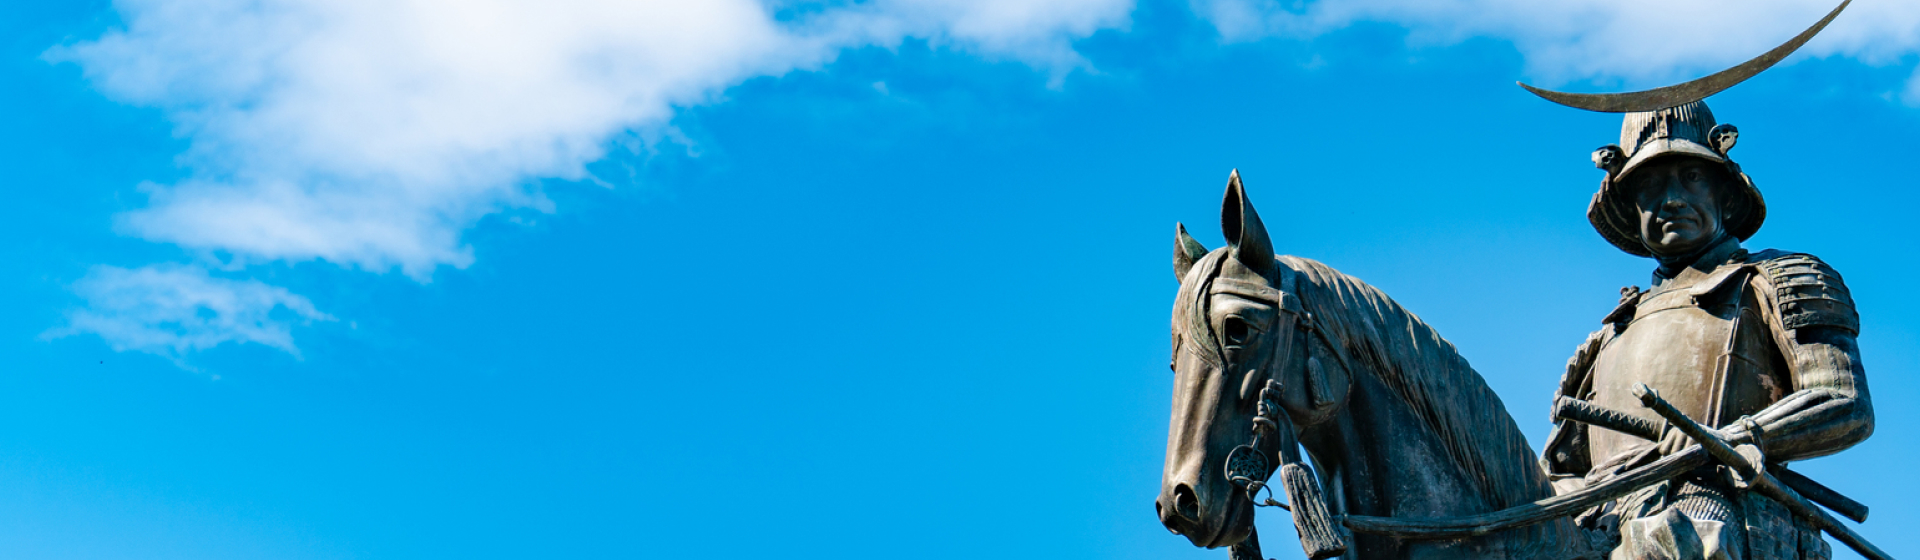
(1237, 329)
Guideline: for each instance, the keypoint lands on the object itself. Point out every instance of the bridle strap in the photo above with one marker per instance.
(1282, 298)
(1250, 465)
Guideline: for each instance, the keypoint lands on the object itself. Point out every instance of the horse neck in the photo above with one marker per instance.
(1416, 411)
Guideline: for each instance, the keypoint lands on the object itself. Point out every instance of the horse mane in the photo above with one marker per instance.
(1432, 378)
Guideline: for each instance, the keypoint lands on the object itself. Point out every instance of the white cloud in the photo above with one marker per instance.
(370, 133)
(1645, 42)
(170, 310)
(373, 133)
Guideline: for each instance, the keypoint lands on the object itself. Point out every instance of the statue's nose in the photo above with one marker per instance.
(1178, 510)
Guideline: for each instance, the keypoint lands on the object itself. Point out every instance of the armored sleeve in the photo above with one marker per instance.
(1808, 293)
(1829, 408)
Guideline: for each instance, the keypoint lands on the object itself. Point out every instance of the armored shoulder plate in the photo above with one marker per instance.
(1807, 292)
(1573, 383)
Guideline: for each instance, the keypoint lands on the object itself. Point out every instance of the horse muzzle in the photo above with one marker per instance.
(1185, 512)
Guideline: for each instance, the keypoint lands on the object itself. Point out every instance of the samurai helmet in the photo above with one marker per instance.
(1671, 121)
(1685, 131)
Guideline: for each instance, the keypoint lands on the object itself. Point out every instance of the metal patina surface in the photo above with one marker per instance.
(1675, 420)
(1395, 421)
(1761, 344)
(1684, 93)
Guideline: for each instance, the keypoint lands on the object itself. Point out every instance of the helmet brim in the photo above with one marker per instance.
(1663, 147)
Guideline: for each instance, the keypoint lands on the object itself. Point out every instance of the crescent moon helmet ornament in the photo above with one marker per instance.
(1684, 93)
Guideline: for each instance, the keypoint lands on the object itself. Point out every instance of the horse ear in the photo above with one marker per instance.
(1186, 251)
(1246, 236)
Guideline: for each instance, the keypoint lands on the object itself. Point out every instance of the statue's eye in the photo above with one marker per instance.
(1643, 192)
(1236, 331)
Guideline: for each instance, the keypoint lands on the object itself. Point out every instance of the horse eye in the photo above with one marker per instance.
(1236, 331)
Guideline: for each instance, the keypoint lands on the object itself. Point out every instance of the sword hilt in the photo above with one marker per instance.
(1569, 408)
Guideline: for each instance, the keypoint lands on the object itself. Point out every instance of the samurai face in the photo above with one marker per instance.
(1680, 203)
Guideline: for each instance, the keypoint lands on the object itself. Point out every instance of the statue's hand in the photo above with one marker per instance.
(1673, 442)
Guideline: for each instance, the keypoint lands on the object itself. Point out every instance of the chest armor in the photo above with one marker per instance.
(1705, 347)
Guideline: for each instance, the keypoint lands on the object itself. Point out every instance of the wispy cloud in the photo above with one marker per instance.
(170, 310)
(1642, 41)
(372, 133)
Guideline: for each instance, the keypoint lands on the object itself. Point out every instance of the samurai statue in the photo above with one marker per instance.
(1761, 343)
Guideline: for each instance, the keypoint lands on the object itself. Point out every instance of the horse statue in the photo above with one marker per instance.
(1278, 350)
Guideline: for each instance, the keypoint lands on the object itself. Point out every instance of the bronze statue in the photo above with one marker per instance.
(1395, 420)
(1762, 343)
(1704, 386)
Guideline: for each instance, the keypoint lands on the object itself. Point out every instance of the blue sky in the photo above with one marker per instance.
(410, 280)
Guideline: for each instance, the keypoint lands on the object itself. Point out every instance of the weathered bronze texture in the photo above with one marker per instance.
(1750, 472)
(1822, 495)
(1686, 130)
(1556, 507)
(1417, 458)
(1568, 408)
(1732, 364)
(1684, 93)
(1761, 344)
(1248, 468)
(1395, 421)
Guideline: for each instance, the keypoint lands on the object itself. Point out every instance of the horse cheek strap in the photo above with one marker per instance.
(1320, 534)
(1311, 390)
(1326, 381)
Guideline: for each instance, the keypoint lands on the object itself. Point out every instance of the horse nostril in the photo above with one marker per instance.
(1161, 513)
(1185, 503)
(1184, 511)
